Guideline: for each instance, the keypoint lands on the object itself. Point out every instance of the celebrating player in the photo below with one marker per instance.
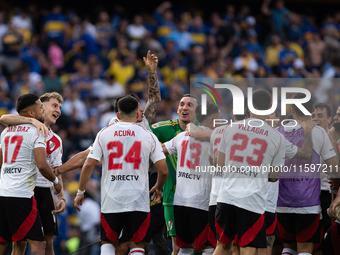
(126, 149)
(22, 150)
(241, 202)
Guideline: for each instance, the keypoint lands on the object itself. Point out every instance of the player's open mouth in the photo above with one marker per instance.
(185, 113)
(55, 115)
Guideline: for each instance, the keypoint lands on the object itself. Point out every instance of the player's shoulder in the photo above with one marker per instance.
(55, 135)
(165, 123)
(219, 130)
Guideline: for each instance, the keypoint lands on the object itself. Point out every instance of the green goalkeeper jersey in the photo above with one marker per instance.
(165, 131)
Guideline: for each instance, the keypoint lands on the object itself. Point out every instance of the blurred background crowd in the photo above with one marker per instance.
(95, 55)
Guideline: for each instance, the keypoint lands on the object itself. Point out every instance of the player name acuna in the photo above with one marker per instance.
(122, 177)
(12, 170)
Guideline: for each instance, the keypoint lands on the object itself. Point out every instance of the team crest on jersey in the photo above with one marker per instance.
(52, 145)
(170, 225)
(156, 125)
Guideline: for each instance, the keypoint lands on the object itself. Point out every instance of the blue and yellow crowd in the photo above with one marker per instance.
(93, 59)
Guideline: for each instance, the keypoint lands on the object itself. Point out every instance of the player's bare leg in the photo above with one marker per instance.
(175, 248)
(49, 244)
(248, 251)
(223, 249)
(37, 247)
(305, 247)
(235, 249)
(3, 247)
(19, 248)
(270, 243)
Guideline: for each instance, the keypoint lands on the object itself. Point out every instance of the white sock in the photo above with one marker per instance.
(137, 251)
(304, 253)
(209, 251)
(288, 251)
(185, 251)
(107, 249)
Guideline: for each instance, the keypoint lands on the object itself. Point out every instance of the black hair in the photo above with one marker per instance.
(308, 105)
(127, 105)
(324, 106)
(118, 98)
(262, 99)
(211, 109)
(191, 96)
(25, 101)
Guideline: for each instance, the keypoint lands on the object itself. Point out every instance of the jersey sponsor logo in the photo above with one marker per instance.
(189, 176)
(12, 170)
(124, 177)
(124, 133)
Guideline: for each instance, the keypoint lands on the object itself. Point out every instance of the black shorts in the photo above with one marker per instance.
(45, 206)
(192, 226)
(246, 228)
(125, 226)
(19, 220)
(271, 223)
(301, 228)
(331, 244)
(212, 229)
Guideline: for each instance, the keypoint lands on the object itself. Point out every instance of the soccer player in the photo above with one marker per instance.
(191, 200)
(165, 131)
(126, 149)
(322, 116)
(22, 150)
(298, 206)
(144, 117)
(52, 109)
(217, 176)
(246, 148)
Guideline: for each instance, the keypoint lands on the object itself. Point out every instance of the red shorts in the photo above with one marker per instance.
(125, 226)
(19, 220)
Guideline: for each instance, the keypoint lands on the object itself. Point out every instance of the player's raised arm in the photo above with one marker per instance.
(14, 119)
(154, 95)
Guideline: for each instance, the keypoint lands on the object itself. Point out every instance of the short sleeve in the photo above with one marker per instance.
(157, 151)
(96, 152)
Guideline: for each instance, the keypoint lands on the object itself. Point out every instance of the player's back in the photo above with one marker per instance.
(250, 146)
(301, 186)
(217, 176)
(127, 149)
(193, 182)
(18, 172)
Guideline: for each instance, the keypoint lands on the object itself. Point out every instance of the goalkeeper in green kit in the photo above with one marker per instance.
(165, 131)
